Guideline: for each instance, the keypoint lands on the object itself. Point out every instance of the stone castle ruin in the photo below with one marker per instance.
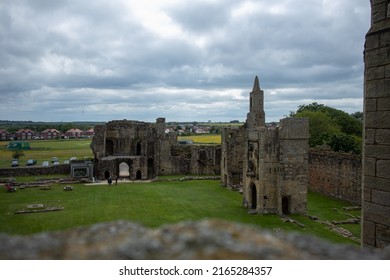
(139, 151)
(270, 163)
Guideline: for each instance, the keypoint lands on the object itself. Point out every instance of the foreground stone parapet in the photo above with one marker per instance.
(207, 239)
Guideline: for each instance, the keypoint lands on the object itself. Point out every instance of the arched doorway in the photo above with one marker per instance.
(138, 175)
(124, 170)
(254, 196)
(107, 174)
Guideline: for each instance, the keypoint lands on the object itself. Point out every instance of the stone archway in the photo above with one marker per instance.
(138, 175)
(124, 170)
(254, 196)
(107, 174)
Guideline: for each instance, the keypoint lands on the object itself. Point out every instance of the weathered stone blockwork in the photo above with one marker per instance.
(336, 175)
(376, 151)
(271, 163)
(140, 150)
(35, 170)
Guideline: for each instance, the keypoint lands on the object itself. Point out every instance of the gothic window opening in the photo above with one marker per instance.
(138, 149)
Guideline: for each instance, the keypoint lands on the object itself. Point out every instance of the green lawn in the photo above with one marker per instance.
(152, 204)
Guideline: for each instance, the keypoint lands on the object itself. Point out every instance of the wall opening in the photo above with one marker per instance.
(286, 201)
(138, 149)
(107, 174)
(150, 168)
(109, 148)
(254, 196)
(138, 175)
(124, 170)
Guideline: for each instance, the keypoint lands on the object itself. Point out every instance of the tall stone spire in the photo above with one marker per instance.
(256, 85)
(256, 115)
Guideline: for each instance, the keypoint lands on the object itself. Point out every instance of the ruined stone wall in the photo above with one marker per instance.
(293, 157)
(232, 151)
(336, 175)
(189, 159)
(376, 150)
(35, 170)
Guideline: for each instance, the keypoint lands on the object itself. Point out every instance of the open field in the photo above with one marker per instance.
(152, 205)
(42, 150)
(203, 138)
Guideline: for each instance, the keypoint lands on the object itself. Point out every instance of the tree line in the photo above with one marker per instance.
(340, 131)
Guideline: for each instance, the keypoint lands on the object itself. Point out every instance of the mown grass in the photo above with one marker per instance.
(42, 150)
(152, 205)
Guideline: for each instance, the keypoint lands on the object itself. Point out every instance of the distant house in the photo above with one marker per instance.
(74, 133)
(201, 130)
(50, 133)
(4, 135)
(24, 134)
(89, 132)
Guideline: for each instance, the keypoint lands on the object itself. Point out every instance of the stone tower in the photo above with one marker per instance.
(376, 149)
(273, 160)
(256, 117)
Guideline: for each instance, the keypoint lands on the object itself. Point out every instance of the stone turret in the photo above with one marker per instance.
(256, 115)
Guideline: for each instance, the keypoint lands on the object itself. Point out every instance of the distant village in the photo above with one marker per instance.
(185, 128)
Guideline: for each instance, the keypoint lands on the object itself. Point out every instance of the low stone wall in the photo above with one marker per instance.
(336, 175)
(34, 170)
(207, 239)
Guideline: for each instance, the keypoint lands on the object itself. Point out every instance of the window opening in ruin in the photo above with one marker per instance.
(150, 168)
(254, 196)
(109, 148)
(124, 170)
(286, 205)
(138, 175)
(138, 149)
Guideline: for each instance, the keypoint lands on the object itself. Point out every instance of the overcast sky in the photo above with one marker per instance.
(98, 60)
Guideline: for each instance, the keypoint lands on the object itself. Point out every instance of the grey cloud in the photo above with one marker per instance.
(65, 51)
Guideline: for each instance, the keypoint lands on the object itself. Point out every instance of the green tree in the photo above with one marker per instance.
(342, 142)
(333, 127)
(321, 127)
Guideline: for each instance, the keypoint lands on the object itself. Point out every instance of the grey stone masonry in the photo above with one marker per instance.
(376, 150)
(269, 163)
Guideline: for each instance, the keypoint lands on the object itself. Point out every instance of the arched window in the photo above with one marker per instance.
(138, 149)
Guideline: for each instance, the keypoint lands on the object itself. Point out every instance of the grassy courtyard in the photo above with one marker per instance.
(155, 204)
